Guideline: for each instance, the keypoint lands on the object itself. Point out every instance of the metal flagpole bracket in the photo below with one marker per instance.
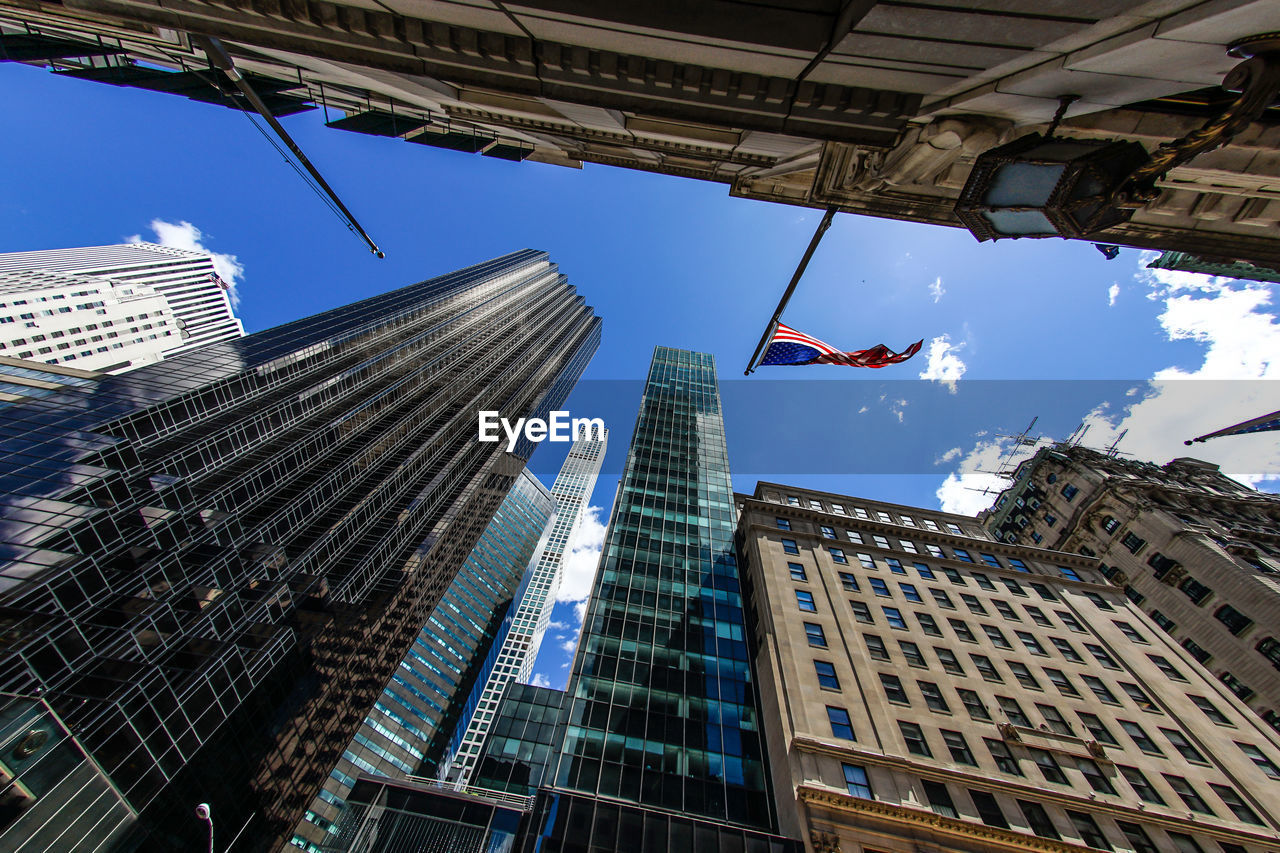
(791, 288)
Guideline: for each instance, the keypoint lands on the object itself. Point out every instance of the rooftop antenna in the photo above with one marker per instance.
(1020, 441)
(1111, 451)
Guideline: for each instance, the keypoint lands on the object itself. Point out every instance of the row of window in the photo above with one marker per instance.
(879, 515)
(1039, 822)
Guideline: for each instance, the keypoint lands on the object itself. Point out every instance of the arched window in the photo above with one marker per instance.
(1110, 524)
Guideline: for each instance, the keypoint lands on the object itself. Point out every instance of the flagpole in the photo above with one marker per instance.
(791, 288)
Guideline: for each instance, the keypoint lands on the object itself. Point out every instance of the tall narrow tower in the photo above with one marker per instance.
(531, 615)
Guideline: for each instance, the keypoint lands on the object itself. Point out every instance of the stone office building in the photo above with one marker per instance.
(871, 107)
(927, 687)
(1196, 550)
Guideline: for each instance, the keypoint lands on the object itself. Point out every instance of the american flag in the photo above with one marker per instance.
(216, 279)
(791, 347)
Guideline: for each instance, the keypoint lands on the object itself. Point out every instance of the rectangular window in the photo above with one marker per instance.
(860, 512)
(1141, 786)
(1044, 592)
(1017, 564)
(1195, 590)
(986, 668)
(1238, 806)
(974, 605)
(1210, 710)
(996, 636)
(934, 551)
(804, 600)
(815, 504)
(908, 546)
(914, 736)
(790, 546)
(1038, 819)
(1069, 492)
(1095, 727)
(1163, 621)
(1236, 686)
(838, 509)
(894, 617)
(1100, 654)
(1014, 587)
(880, 541)
(1139, 697)
(1184, 746)
(1049, 767)
(849, 582)
(876, 647)
(1196, 650)
(793, 500)
(1067, 650)
(1089, 831)
(1099, 601)
(1003, 758)
(949, 661)
(1187, 794)
(855, 780)
(941, 597)
(1169, 670)
(1006, 611)
(1031, 643)
(983, 581)
(815, 635)
(1187, 844)
(1061, 681)
(895, 566)
(910, 593)
(1013, 711)
(1132, 542)
(1236, 622)
(827, 532)
(862, 612)
(784, 524)
(1094, 776)
(912, 653)
(1140, 738)
(988, 809)
(958, 747)
(841, 725)
(990, 560)
(962, 554)
(797, 572)
(1037, 616)
(973, 704)
(952, 575)
(893, 689)
(939, 799)
(1023, 674)
(1099, 688)
(928, 625)
(837, 556)
(866, 561)
(924, 571)
(962, 631)
(1259, 758)
(1069, 574)
(826, 675)
(1054, 720)
(1132, 633)
(933, 697)
(854, 537)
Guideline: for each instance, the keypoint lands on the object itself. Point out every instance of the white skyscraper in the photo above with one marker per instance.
(126, 279)
(532, 613)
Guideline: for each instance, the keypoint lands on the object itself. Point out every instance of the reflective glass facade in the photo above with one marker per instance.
(662, 708)
(211, 567)
(453, 654)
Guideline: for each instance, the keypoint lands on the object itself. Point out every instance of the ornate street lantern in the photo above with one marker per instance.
(1043, 185)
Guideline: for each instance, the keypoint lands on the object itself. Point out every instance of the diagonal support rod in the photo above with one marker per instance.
(222, 60)
(791, 288)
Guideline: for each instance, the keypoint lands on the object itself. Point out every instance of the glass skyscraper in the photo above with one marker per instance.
(662, 738)
(405, 733)
(527, 622)
(210, 567)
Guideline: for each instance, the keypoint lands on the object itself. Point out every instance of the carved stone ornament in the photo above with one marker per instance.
(927, 152)
(824, 842)
(1174, 576)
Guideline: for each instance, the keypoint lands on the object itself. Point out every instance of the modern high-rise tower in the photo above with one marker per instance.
(212, 565)
(662, 727)
(198, 299)
(528, 621)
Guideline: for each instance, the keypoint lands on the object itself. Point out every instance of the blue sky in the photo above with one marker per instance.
(1030, 328)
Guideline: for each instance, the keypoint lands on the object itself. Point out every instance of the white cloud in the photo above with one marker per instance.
(863, 410)
(570, 644)
(540, 680)
(936, 290)
(897, 408)
(557, 625)
(580, 610)
(968, 490)
(944, 365)
(184, 235)
(1112, 292)
(582, 554)
(953, 453)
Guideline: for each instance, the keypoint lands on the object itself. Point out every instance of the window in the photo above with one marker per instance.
(1235, 621)
(841, 725)
(849, 582)
(1185, 843)
(1071, 622)
(838, 509)
(1037, 616)
(827, 532)
(797, 572)
(1017, 564)
(949, 661)
(986, 668)
(988, 809)
(941, 597)
(928, 625)
(1013, 711)
(1160, 564)
(1023, 674)
(1031, 643)
(912, 653)
(974, 605)
(935, 551)
(996, 636)
(1236, 686)
(1068, 651)
(933, 697)
(860, 512)
(1238, 806)
(1069, 492)
(962, 631)
(1195, 590)
(793, 500)
(1099, 601)
(1014, 587)
(1089, 831)
(876, 647)
(1095, 727)
(990, 560)
(1061, 681)
(804, 600)
(894, 616)
(893, 689)
(924, 571)
(1049, 767)
(1169, 670)
(1094, 776)
(1050, 519)
(914, 736)
(909, 592)
(1038, 820)
(880, 541)
(866, 561)
(984, 581)
(1003, 758)
(861, 612)
(1269, 648)
(1210, 710)
(1099, 688)
(815, 504)
(790, 546)
(837, 556)
(1130, 632)
(1110, 524)
(1139, 737)
(826, 675)
(1069, 574)
(1132, 542)
(958, 747)
(962, 554)
(907, 520)
(895, 566)
(952, 575)
(884, 516)
(1188, 794)
(879, 587)
(1044, 592)
(929, 524)
(1257, 757)
(855, 780)
(1196, 650)
(1141, 786)
(784, 524)
(854, 537)
(1101, 655)
(1139, 697)
(1055, 721)
(816, 637)
(973, 704)
(1007, 611)
(939, 799)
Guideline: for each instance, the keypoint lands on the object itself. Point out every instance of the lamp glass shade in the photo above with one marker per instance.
(1022, 184)
(1019, 223)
